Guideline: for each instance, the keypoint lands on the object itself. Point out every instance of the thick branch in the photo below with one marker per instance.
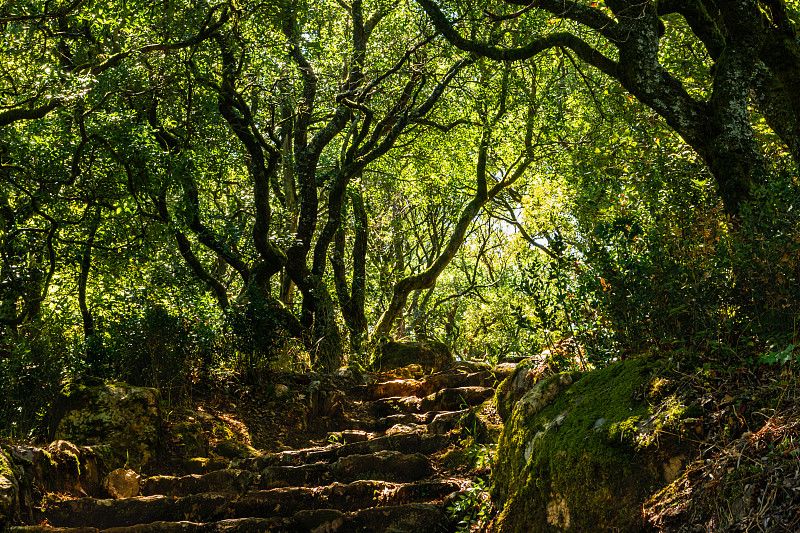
(535, 47)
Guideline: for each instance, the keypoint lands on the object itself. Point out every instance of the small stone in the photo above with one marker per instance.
(122, 483)
(281, 390)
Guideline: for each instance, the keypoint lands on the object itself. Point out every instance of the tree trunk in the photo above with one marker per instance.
(89, 338)
(351, 302)
(428, 277)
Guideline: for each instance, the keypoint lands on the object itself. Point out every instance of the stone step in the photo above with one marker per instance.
(416, 517)
(104, 514)
(163, 513)
(449, 399)
(408, 443)
(349, 436)
(456, 398)
(309, 475)
(221, 481)
(383, 424)
(349, 497)
(383, 465)
(431, 384)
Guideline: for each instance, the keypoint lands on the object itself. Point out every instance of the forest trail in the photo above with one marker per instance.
(386, 469)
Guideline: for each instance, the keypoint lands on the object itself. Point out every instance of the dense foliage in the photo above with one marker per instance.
(190, 187)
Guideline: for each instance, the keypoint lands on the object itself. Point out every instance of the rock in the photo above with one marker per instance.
(106, 514)
(419, 518)
(233, 449)
(89, 412)
(324, 401)
(320, 520)
(188, 440)
(281, 390)
(388, 463)
(348, 436)
(397, 387)
(503, 370)
(513, 388)
(453, 380)
(9, 491)
(63, 446)
(220, 481)
(202, 465)
(286, 476)
(353, 375)
(413, 371)
(62, 468)
(469, 366)
(398, 429)
(457, 398)
(582, 452)
(431, 355)
(122, 483)
(444, 422)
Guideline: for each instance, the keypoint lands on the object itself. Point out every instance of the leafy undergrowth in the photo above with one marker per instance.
(747, 477)
(271, 417)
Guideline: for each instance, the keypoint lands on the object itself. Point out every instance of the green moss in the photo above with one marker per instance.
(571, 456)
(189, 440)
(5, 465)
(233, 449)
(503, 399)
(9, 490)
(223, 432)
(195, 465)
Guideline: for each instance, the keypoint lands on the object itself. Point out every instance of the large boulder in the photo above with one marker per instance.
(91, 412)
(430, 355)
(582, 452)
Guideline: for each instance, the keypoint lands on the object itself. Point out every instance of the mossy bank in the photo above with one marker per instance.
(582, 451)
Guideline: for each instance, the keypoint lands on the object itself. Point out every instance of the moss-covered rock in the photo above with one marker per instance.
(189, 440)
(9, 491)
(233, 449)
(513, 388)
(90, 412)
(201, 465)
(581, 452)
(431, 355)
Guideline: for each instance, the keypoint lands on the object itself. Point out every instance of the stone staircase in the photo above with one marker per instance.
(383, 472)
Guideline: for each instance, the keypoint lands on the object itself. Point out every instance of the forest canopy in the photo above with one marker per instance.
(191, 187)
